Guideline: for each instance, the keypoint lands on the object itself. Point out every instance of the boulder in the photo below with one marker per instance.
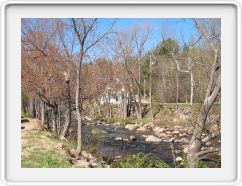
(132, 138)
(130, 127)
(87, 118)
(208, 143)
(184, 140)
(144, 136)
(179, 159)
(118, 157)
(141, 129)
(158, 129)
(73, 152)
(175, 132)
(168, 132)
(86, 155)
(177, 127)
(148, 125)
(177, 151)
(82, 163)
(185, 150)
(118, 138)
(152, 138)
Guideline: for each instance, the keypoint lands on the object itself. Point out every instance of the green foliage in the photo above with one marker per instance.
(40, 158)
(185, 164)
(138, 161)
(166, 46)
(50, 161)
(24, 115)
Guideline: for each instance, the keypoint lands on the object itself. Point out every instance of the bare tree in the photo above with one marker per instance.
(83, 29)
(140, 35)
(211, 33)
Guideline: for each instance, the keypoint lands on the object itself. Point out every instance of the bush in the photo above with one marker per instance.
(185, 164)
(50, 160)
(138, 161)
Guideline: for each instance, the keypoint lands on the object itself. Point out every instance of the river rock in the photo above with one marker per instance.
(73, 152)
(158, 129)
(132, 138)
(208, 143)
(130, 127)
(141, 129)
(82, 163)
(177, 151)
(118, 157)
(177, 127)
(144, 136)
(152, 138)
(87, 118)
(175, 132)
(119, 138)
(148, 125)
(185, 150)
(99, 122)
(168, 132)
(162, 135)
(183, 140)
(179, 159)
(86, 155)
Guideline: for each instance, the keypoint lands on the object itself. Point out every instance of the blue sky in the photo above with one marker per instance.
(174, 27)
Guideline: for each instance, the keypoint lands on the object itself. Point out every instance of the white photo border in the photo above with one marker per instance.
(3, 170)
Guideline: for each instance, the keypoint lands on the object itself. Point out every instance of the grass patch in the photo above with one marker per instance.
(40, 158)
(25, 115)
(185, 164)
(138, 161)
(39, 150)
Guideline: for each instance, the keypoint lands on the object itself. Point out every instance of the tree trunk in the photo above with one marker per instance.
(139, 113)
(196, 141)
(68, 111)
(139, 107)
(125, 106)
(78, 111)
(42, 108)
(151, 109)
(54, 120)
(144, 88)
(192, 87)
(177, 88)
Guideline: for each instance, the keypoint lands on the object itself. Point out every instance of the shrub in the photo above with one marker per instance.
(138, 161)
(185, 164)
(50, 160)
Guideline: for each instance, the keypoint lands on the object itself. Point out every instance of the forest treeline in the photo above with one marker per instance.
(73, 68)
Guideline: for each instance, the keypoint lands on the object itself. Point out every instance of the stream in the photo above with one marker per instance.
(113, 141)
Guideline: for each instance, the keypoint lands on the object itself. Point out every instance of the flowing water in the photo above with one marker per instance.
(107, 147)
